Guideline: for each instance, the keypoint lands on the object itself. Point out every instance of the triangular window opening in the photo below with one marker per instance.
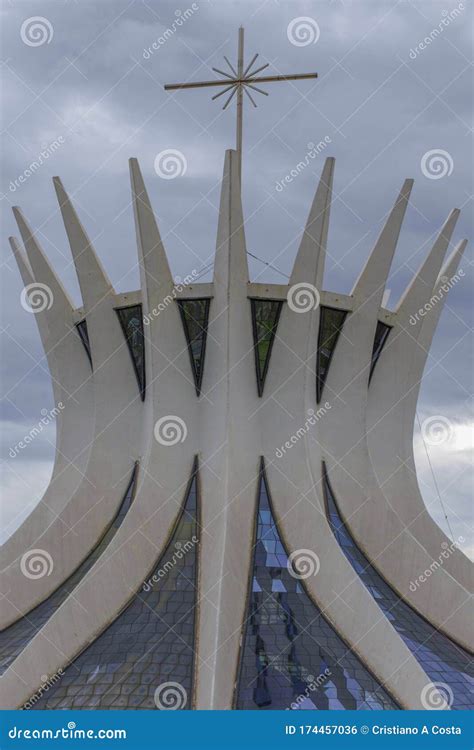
(81, 328)
(331, 321)
(131, 321)
(195, 317)
(265, 317)
(381, 335)
(286, 639)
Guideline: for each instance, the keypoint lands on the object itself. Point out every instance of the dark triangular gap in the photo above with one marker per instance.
(131, 321)
(81, 328)
(14, 638)
(331, 321)
(381, 335)
(195, 317)
(291, 656)
(265, 317)
(151, 643)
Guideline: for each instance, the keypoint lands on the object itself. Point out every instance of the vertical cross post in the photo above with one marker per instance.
(240, 94)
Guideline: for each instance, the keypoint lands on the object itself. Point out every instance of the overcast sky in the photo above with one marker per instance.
(381, 103)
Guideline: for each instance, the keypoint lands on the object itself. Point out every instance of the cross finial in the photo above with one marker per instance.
(238, 81)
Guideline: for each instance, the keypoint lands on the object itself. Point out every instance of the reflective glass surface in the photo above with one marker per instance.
(265, 316)
(131, 320)
(81, 328)
(291, 656)
(381, 335)
(14, 638)
(151, 642)
(195, 317)
(443, 661)
(330, 324)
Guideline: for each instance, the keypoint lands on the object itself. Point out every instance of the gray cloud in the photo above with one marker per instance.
(381, 110)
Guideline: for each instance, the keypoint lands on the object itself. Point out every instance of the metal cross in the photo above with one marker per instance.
(241, 80)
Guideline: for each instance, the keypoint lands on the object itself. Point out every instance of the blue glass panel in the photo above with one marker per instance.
(14, 639)
(150, 644)
(131, 321)
(443, 661)
(291, 656)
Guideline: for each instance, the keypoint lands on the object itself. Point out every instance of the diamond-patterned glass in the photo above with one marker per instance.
(150, 644)
(131, 320)
(291, 656)
(14, 638)
(443, 661)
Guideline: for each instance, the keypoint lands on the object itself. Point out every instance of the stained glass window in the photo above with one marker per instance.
(81, 328)
(14, 638)
(291, 656)
(265, 316)
(331, 321)
(131, 320)
(145, 658)
(443, 661)
(381, 334)
(195, 317)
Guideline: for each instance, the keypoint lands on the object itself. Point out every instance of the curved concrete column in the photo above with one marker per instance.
(288, 414)
(114, 445)
(230, 443)
(166, 464)
(386, 541)
(391, 412)
(310, 259)
(72, 392)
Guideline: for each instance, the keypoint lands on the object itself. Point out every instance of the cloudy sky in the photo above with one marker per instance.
(91, 77)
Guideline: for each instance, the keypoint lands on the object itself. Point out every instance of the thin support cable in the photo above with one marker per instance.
(434, 478)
